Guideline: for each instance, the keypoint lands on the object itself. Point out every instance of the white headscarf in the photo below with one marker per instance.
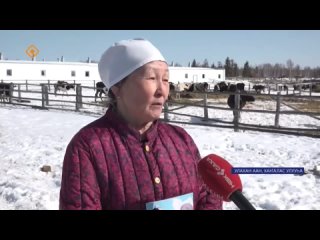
(125, 56)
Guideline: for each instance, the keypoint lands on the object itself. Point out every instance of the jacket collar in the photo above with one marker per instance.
(126, 131)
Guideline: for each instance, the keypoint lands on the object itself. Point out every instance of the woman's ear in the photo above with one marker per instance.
(116, 91)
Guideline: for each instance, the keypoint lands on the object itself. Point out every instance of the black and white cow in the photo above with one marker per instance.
(178, 88)
(100, 89)
(198, 87)
(221, 87)
(63, 86)
(5, 91)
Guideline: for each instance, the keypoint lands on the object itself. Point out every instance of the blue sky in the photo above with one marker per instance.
(181, 46)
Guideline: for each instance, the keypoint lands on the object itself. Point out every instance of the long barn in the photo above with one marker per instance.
(17, 70)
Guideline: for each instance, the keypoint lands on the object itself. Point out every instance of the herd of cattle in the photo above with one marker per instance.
(60, 86)
(220, 87)
(63, 86)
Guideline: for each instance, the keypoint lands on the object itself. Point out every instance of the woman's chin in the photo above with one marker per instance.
(155, 114)
(156, 109)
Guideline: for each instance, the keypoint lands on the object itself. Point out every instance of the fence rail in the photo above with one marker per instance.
(77, 102)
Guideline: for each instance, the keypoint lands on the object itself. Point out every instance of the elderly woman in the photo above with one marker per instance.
(129, 158)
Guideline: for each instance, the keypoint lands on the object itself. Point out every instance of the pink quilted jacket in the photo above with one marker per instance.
(106, 166)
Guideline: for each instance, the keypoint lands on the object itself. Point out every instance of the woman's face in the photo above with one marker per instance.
(143, 93)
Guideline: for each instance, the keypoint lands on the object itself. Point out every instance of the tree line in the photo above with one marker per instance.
(267, 70)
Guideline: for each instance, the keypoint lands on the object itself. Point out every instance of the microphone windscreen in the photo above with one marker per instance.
(216, 174)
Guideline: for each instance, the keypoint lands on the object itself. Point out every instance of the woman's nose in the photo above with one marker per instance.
(161, 87)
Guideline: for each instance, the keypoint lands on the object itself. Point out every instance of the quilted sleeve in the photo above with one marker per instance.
(79, 186)
(207, 199)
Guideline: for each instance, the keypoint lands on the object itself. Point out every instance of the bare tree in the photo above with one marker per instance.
(297, 72)
(205, 63)
(277, 70)
(290, 66)
(307, 72)
(267, 70)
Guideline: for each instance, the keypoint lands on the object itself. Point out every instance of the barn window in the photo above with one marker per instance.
(73, 73)
(219, 75)
(43, 72)
(87, 74)
(203, 75)
(9, 72)
(186, 75)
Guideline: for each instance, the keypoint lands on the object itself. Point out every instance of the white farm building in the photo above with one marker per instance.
(190, 74)
(19, 70)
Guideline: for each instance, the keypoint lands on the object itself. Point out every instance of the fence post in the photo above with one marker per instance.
(94, 85)
(10, 92)
(166, 115)
(299, 89)
(46, 95)
(310, 89)
(19, 92)
(236, 111)
(205, 107)
(276, 122)
(80, 96)
(49, 85)
(26, 85)
(78, 101)
(42, 95)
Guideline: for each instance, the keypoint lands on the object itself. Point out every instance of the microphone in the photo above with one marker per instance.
(216, 174)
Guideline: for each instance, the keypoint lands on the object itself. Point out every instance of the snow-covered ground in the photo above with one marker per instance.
(30, 139)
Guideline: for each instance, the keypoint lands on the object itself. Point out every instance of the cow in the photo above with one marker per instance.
(100, 89)
(243, 98)
(258, 88)
(63, 86)
(178, 88)
(222, 87)
(240, 86)
(235, 87)
(198, 87)
(296, 87)
(5, 89)
(171, 86)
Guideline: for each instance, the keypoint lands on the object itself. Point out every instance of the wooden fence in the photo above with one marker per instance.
(80, 101)
(46, 101)
(236, 125)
